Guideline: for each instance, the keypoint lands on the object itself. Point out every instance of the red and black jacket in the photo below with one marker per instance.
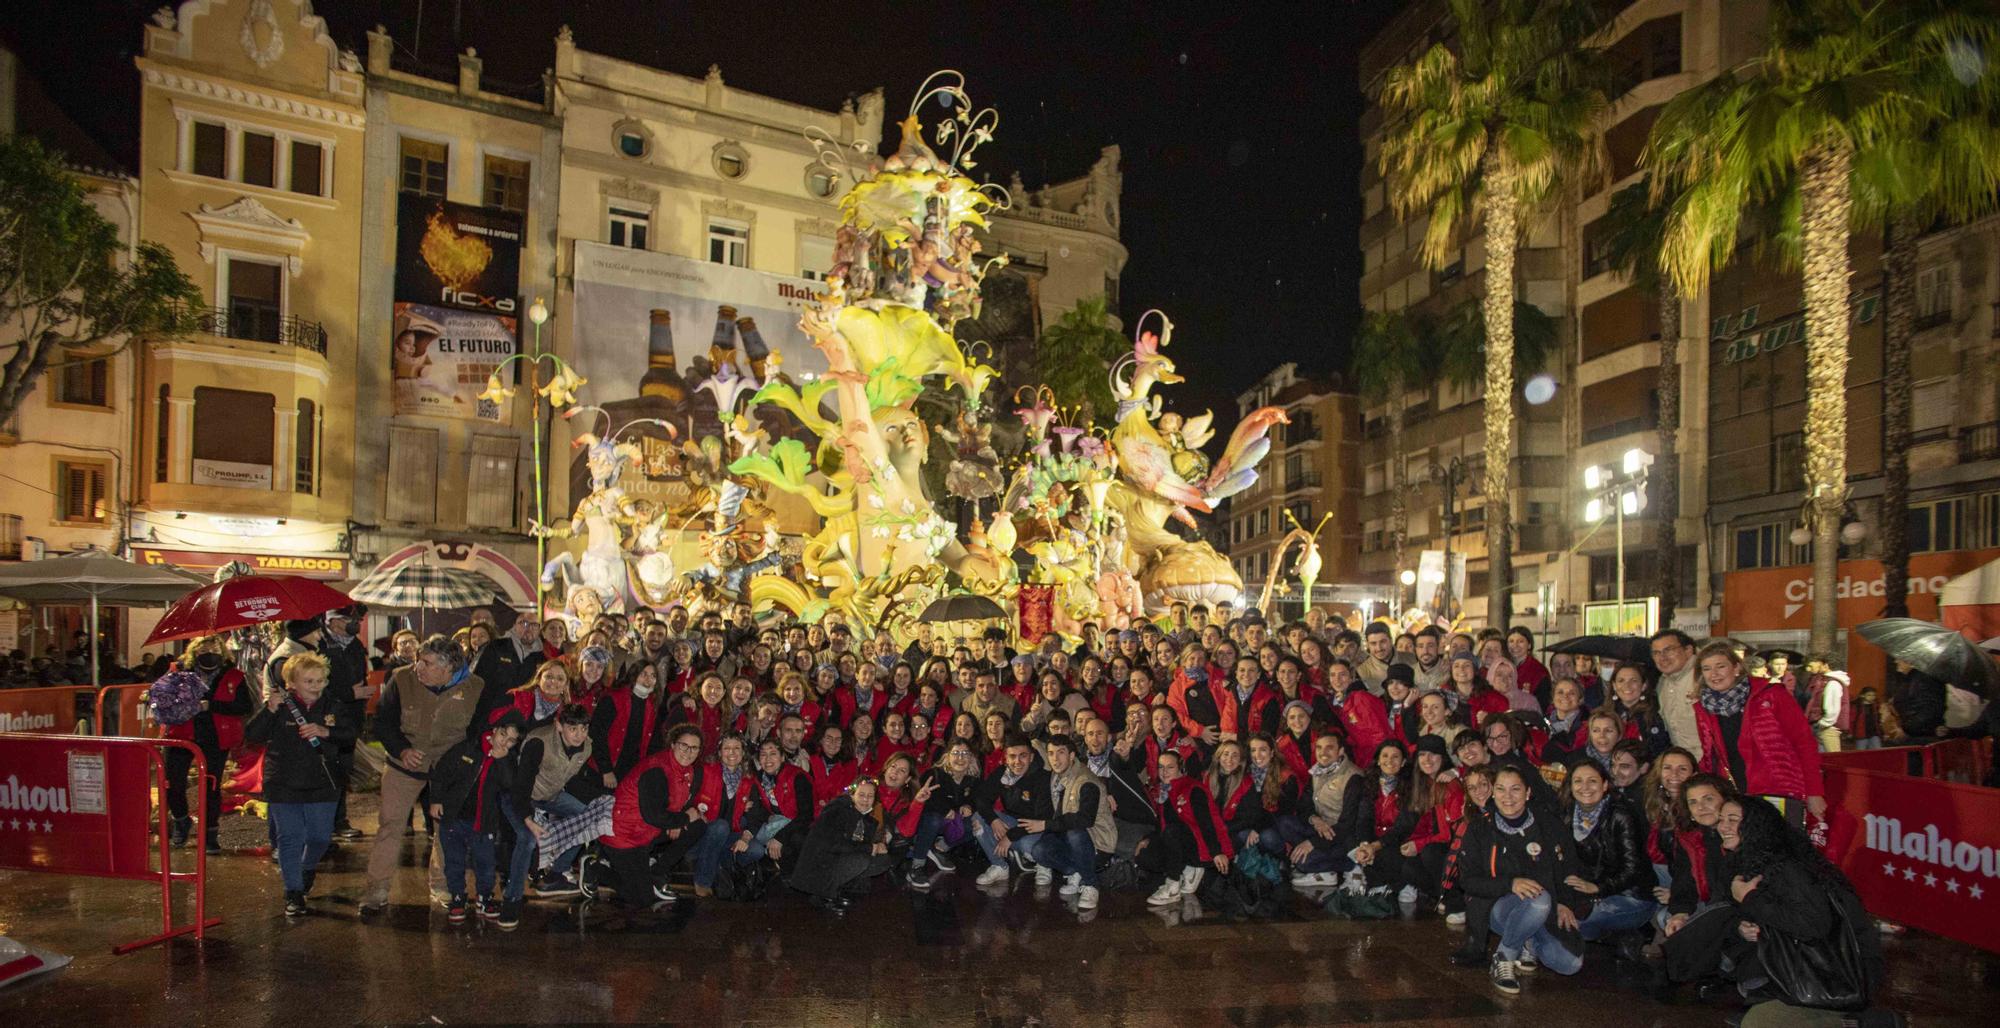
(659, 795)
(847, 703)
(1297, 753)
(621, 737)
(899, 813)
(788, 794)
(1260, 713)
(1366, 720)
(228, 704)
(1440, 824)
(830, 778)
(1189, 804)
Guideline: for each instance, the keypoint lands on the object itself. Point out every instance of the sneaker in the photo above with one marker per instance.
(489, 909)
(295, 904)
(1502, 974)
(1456, 919)
(1408, 896)
(1316, 880)
(347, 833)
(1167, 894)
(510, 916)
(1072, 884)
(1464, 956)
(589, 875)
(177, 831)
(1043, 876)
(1086, 897)
(1021, 862)
(455, 913)
(922, 881)
(1526, 962)
(557, 885)
(993, 875)
(1191, 879)
(1355, 881)
(940, 861)
(213, 847)
(663, 893)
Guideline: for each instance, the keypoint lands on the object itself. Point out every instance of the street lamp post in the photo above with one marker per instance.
(1447, 477)
(560, 390)
(1623, 488)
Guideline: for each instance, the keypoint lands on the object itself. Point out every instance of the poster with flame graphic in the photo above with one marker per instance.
(457, 305)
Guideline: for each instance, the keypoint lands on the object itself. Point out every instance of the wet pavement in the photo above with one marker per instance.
(958, 956)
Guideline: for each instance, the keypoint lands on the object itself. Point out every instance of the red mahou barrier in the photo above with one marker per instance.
(83, 805)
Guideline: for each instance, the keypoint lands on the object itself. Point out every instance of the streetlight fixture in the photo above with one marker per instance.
(558, 391)
(1616, 492)
(1447, 476)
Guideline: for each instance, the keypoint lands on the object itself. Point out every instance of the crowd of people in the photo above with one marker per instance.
(1649, 812)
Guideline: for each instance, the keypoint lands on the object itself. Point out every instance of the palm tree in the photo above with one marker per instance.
(1786, 127)
(1074, 355)
(1390, 360)
(1634, 228)
(1486, 130)
(1948, 167)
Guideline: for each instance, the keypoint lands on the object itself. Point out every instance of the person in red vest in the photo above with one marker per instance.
(1192, 835)
(622, 726)
(1363, 715)
(659, 814)
(1254, 701)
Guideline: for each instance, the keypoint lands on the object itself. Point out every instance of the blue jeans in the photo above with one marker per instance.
(1268, 839)
(1069, 853)
(302, 832)
(1325, 856)
(1524, 923)
(464, 844)
(708, 853)
(983, 829)
(1616, 914)
(558, 807)
(929, 826)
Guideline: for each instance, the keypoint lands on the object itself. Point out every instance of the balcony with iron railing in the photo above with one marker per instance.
(1979, 442)
(1302, 480)
(255, 322)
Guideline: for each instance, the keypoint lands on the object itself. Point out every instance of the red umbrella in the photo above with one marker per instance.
(244, 601)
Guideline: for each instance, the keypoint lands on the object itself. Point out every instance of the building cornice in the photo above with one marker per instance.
(256, 100)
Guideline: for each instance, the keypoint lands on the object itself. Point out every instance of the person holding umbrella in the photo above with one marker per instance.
(217, 728)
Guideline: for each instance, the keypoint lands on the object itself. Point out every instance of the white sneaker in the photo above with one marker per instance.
(993, 875)
(1408, 895)
(1191, 879)
(1043, 876)
(1455, 920)
(1167, 894)
(1086, 897)
(1316, 880)
(1072, 883)
(1526, 963)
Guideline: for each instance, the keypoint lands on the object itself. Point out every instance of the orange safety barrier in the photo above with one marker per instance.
(50, 709)
(83, 805)
(134, 719)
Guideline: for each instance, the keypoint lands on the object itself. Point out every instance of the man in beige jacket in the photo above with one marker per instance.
(1673, 654)
(427, 707)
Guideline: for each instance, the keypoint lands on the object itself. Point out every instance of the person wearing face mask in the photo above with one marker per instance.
(217, 728)
(622, 727)
(1517, 867)
(347, 686)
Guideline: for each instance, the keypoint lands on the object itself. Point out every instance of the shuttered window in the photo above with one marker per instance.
(489, 500)
(80, 492)
(413, 475)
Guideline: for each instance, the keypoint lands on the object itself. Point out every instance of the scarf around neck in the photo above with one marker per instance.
(1257, 777)
(1512, 825)
(1729, 702)
(1323, 770)
(1583, 820)
(1099, 763)
(730, 780)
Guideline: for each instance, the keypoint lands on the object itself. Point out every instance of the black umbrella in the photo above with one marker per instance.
(1935, 650)
(962, 607)
(1625, 649)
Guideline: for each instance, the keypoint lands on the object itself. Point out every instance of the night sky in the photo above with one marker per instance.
(1237, 126)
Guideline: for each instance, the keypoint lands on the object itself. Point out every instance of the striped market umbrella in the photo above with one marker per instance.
(415, 586)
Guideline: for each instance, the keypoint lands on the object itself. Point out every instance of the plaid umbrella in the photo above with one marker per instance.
(425, 587)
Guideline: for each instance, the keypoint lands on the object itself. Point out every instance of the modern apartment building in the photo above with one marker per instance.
(1309, 475)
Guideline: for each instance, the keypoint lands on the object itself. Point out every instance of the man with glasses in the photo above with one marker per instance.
(508, 663)
(427, 708)
(1673, 654)
(659, 813)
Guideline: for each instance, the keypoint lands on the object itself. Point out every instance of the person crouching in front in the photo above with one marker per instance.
(466, 789)
(300, 729)
(659, 814)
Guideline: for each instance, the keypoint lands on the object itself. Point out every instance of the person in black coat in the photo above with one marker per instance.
(1016, 791)
(466, 786)
(1920, 705)
(1518, 865)
(846, 848)
(347, 686)
(506, 664)
(1617, 875)
(300, 727)
(1782, 884)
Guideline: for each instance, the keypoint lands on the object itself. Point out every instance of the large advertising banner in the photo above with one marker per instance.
(457, 305)
(1921, 852)
(651, 329)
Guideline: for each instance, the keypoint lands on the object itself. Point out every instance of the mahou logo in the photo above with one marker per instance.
(1886, 835)
(32, 799)
(26, 722)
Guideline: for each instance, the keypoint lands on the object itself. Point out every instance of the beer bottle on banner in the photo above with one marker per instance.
(722, 350)
(663, 376)
(754, 348)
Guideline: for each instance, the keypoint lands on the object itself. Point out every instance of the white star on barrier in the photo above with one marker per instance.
(1977, 892)
(31, 824)
(1909, 874)
(1930, 881)
(1951, 885)
(49, 826)
(1888, 869)
(17, 824)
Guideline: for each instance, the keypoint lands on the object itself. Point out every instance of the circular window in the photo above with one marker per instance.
(632, 139)
(819, 181)
(731, 160)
